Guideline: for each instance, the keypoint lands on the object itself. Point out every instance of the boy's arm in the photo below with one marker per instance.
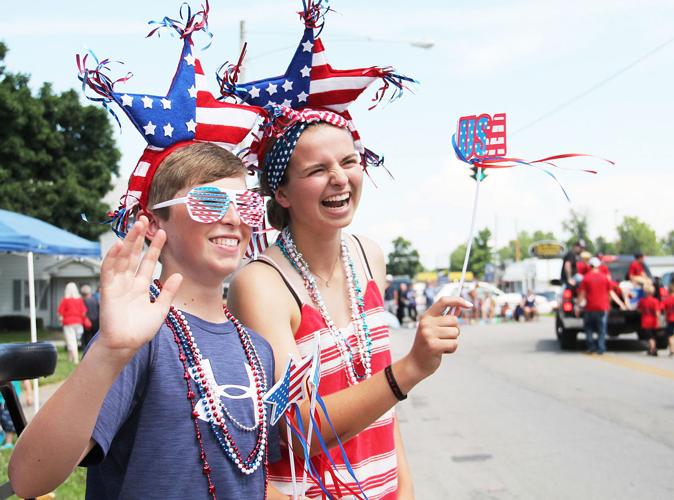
(60, 434)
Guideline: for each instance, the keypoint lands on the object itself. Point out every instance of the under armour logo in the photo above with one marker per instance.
(229, 391)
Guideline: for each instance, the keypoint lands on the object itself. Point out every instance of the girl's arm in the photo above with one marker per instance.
(259, 299)
(405, 483)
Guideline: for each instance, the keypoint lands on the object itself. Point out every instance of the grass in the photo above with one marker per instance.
(73, 488)
(63, 366)
(6, 337)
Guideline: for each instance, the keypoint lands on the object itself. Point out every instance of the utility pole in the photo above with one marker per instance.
(242, 42)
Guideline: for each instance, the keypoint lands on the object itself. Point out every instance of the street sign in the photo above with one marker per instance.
(547, 249)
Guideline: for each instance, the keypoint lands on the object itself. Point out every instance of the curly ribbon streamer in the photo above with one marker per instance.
(187, 25)
(331, 467)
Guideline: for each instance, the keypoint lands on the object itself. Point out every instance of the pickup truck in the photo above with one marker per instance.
(568, 324)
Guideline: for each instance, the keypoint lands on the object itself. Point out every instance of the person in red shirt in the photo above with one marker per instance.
(594, 291)
(637, 271)
(668, 309)
(72, 312)
(649, 307)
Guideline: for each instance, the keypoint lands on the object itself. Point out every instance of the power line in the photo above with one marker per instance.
(594, 87)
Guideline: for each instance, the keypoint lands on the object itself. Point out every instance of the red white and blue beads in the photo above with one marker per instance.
(215, 411)
(357, 305)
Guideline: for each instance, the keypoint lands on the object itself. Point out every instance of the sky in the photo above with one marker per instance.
(599, 73)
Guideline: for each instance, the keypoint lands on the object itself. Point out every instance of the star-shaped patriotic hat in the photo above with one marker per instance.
(187, 113)
(310, 82)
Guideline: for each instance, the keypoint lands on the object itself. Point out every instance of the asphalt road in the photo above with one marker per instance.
(510, 416)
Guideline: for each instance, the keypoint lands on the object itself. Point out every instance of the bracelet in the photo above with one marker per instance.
(395, 388)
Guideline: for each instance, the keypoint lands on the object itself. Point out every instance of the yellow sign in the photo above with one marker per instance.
(547, 249)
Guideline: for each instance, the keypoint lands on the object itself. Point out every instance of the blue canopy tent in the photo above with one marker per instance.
(22, 234)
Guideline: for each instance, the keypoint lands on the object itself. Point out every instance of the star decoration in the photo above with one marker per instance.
(147, 102)
(307, 46)
(305, 72)
(287, 103)
(254, 92)
(166, 103)
(168, 130)
(192, 91)
(149, 128)
(189, 59)
(302, 97)
(277, 396)
(271, 89)
(127, 100)
(191, 125)
(287, 86)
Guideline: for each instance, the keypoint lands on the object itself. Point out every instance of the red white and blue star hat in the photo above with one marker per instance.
(310, 82)
(188, 113)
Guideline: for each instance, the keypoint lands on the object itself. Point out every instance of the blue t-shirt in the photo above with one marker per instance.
(147, 446)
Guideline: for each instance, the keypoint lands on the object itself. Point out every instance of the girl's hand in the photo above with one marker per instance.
(436, 335)
(128, 318)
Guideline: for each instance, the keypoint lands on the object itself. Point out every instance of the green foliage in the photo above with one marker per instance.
(577, 227)
(57, 157)
(480, 254)
(668, 243)
(456, 258)
(404, 259)
(602, 245)
(634, 235)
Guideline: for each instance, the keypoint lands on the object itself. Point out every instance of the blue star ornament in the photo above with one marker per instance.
(165, 120)
(277, 396)
(290, 89)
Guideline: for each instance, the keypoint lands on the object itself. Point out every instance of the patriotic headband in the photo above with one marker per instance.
(310, 82)
(188, 113)
(286, 125)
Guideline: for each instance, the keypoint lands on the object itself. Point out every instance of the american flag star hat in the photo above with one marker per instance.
(310, 82)
(188, 113)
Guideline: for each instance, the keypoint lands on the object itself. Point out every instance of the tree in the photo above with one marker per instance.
(456, 258)
(404, 259)
(57, 157)
(635, 236)
(480, 254)
(602, 245)
(668, 243)
(577, 226)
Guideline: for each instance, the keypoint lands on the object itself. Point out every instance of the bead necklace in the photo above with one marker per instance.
(357, 305)
(215, 412)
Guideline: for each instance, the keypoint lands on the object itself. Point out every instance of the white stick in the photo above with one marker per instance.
(292, 457)
(312, 408)
(33, 323)
(470, 238)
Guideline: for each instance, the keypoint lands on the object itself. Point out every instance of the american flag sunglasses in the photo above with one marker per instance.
(209, 204)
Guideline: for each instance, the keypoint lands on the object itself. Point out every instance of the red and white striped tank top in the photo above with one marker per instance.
(372, 452)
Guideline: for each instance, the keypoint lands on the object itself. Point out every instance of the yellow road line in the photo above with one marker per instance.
(635, 365)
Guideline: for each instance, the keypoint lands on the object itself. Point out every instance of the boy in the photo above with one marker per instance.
(668, 310)
(650, 309)
(126, 411)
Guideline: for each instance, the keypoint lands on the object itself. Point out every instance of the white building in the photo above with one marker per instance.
(51, 275)
(531, 274)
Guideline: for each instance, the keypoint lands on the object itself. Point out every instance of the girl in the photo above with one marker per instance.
(318, 278)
